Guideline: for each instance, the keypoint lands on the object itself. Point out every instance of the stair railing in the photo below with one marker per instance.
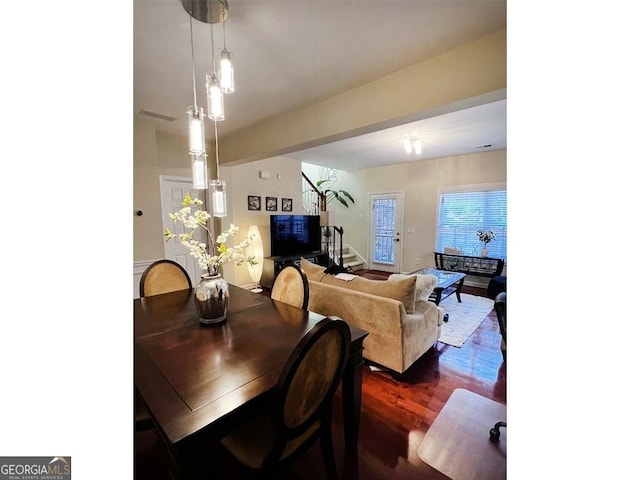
(313, 200)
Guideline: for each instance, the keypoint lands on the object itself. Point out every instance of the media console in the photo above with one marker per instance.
(273, 265)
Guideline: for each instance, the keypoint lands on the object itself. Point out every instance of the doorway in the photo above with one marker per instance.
(385, 227)
(173, 190)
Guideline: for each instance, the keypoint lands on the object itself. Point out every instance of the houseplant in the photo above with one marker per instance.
(485, 236)
(212, 293)
(329, 194)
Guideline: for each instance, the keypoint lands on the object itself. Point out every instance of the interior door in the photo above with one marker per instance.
(385, 227)
(173, 191)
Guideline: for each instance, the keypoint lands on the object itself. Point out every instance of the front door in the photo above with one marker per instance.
(173, 191)
(385, 227)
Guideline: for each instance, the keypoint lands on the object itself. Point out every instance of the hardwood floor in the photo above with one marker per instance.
(396, 412)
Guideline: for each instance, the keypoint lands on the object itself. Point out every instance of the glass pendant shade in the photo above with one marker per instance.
(199, 171)
(196, 129)
(226, 72)
(215, 98)
(218, 192)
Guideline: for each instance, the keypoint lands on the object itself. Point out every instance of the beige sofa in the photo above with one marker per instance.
(401, 322)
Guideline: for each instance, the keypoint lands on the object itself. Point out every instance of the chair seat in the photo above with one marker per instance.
(252, 439)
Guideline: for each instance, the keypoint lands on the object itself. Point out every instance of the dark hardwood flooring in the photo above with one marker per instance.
(396, 413)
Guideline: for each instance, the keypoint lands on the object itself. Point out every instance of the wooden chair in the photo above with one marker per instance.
(163, 276)
(291, 286)
(299, 411)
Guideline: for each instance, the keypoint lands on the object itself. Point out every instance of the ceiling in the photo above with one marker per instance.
(291, 53)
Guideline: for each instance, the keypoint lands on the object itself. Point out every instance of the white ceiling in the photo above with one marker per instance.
(291, 53)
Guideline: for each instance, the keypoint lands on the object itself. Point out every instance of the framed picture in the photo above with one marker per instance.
(254, 202)
(287, 204)
(271, 203)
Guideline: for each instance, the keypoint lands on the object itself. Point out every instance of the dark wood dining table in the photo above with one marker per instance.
(195, 377)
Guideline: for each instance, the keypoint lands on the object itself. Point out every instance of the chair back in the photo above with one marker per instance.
(163, 276)
(303, 395)
(291, 286)
(500, 306)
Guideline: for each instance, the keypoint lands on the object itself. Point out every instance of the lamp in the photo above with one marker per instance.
(215, 97)
(226, 67)
(207, 11)
(257, 254)
(199, 170)
(412, 145)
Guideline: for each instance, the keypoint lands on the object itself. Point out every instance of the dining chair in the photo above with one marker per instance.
(163, 276)
(299, 411)
(291, 286)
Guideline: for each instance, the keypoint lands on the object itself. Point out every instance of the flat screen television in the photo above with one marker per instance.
(294, 234)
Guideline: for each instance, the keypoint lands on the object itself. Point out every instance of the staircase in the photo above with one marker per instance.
(350, 260)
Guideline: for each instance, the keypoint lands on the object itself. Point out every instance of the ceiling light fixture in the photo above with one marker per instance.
(226, 67)
(215, 97)
(207, 11)
(412, 145)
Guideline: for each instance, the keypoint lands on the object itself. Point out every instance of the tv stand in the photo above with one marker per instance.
(273, 265)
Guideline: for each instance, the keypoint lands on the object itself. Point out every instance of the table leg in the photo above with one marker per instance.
(438, 293)
(459, 288)
(352, 397)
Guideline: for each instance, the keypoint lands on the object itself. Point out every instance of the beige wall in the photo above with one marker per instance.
(154, 154)
(471, 75)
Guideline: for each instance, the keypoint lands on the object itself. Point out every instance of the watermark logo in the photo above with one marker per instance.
(35, 468)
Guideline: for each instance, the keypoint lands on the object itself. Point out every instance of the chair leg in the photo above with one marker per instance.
(326, 443)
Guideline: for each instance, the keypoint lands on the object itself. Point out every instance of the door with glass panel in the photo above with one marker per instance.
(385, 228)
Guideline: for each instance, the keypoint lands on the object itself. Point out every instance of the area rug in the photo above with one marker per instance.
(464, 317)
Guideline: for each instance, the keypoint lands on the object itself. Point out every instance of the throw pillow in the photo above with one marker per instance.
(313, 271)
(424, 285)
(402, 290)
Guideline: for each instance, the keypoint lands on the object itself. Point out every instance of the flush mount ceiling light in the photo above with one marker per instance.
(209, 11)
(412, 145)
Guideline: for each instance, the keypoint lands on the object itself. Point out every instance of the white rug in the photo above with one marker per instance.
(464, 317)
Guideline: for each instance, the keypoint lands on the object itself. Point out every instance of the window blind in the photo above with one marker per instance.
(462, 214)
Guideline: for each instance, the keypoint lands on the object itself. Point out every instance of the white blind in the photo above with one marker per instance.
(462, 214)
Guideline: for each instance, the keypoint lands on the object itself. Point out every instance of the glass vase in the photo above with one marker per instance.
(212, 299)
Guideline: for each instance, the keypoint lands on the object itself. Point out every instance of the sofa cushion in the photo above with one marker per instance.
(402, 289)
(424, 285)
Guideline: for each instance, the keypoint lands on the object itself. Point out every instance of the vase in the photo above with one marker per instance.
(484, 252)
(212, 299)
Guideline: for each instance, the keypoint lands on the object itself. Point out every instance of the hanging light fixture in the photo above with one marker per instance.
(217, 187)
(215, 97)
(207, 11)
(199, 170)
(226, 67)
(195, 114)
(412, 145)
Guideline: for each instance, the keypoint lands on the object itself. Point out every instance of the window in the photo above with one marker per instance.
(463, 212)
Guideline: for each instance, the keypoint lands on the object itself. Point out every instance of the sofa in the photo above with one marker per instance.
(401, 322)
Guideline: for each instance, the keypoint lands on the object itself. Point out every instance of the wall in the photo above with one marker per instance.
(243, 180)
(419, 181)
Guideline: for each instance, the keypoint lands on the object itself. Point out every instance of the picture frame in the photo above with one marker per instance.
(287, 204)
(254, 202)
(271, 204)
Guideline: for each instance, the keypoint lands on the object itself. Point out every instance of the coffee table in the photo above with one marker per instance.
(448, 283)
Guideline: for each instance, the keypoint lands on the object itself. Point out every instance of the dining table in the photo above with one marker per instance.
(196, 378)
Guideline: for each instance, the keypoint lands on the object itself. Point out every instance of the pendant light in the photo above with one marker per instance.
(217, 187)
(199, 170)
(226, 67)
(195, 114)
(215, 97)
